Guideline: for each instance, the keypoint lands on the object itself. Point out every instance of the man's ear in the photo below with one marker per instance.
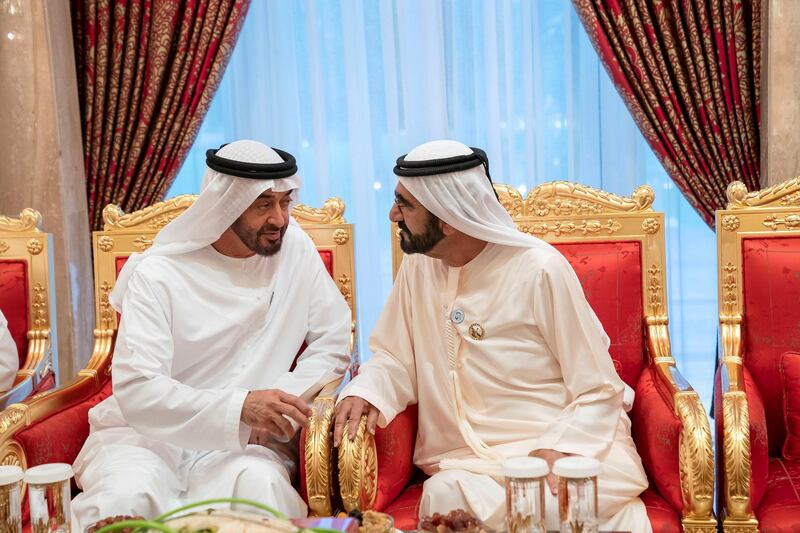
(446, 228)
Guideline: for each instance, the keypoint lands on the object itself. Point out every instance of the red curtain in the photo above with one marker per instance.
(147, 70)
(689, 72)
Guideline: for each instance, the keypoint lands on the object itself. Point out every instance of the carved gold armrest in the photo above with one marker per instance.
(318, 451)
(38, 363)
(695, 451)
(735, 450)
(358, 469)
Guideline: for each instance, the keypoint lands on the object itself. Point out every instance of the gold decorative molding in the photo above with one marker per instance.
(105, 243)
(655, 291)
(35, 246)
(785, 194)
(511, 200)
(341, 236)
(13, 455)
(650, 225)
(106, 311)
(736, 455)
(730, 291)
(358, 469)
(344, 287)
(563, 198)
(158, 215)
(3, 247)
(11, 416)
(29, 220)
(736, 526)
(331, 212)
(568, 227)
(699, 526)
(142, 243)
(791, 221)
(151, 218)
(695, 456)
(318, 446)
(39, 306)
(730, 222)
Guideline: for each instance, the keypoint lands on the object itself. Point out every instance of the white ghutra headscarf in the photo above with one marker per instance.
(223, 198)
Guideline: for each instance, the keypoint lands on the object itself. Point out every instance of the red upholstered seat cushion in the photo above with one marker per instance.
(611, 276)
(790, 381)
(14, 302)
(394, 445)
(59, 437)
(771, 282)
(405, 509)
(656, 432)
(663, 516)
(779, 511)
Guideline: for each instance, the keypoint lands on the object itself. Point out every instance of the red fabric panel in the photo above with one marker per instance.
(395, 448)
(119, 262)
(771, 274)
(790, 379)
(14, 303)
(779, 511)
(327, 259)
(611, 276)
(656, 431)
(46, 384)
(663, 517)
(59, 437)
(405, 509)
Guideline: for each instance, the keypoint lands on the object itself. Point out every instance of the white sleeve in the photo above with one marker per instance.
(9, 359)
(151, 401)
(588, 424)
(326, 356)
(389, 379)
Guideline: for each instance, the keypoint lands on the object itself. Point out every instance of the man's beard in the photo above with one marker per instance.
(421, 243)
(256, 241)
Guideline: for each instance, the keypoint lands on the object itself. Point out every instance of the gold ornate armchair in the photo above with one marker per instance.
(52, 427)
(616, 246)
(758, 239)
(26, 302)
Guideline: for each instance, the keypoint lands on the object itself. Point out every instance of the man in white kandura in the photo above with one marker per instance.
(488, 330)
(9, 360)
(213, 316)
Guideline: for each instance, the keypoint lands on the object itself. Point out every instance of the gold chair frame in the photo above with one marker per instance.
(21, 238)
(770, 212)
(124, 234)
(568, 212)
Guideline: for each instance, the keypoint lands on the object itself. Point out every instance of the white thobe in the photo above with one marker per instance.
(539, 378)
(9, 360)
(198, 331)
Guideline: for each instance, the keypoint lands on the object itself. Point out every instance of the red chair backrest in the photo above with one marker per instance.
(14, 302)
(611, 276)
(771, 326)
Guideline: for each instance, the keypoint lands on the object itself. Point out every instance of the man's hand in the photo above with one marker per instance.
(551, 456)
(265, 411)
(348, 414)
